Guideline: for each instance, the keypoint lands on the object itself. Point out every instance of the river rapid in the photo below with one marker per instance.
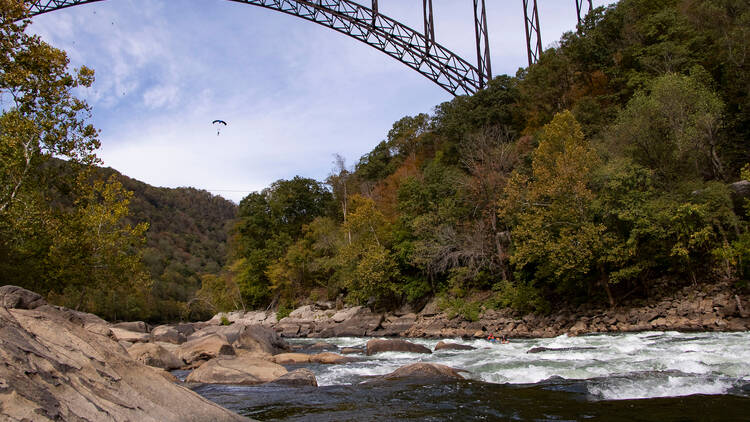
(648, 376)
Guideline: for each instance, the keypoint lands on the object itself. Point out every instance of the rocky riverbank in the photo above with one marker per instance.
(716, 307)
(61, 365)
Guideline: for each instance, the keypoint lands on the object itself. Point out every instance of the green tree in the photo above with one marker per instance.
(42, 118)
(366, 267)
(673, 129)
(557, 241)
(95, 256)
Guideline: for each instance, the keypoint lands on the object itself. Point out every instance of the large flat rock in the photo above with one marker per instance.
(53, 368)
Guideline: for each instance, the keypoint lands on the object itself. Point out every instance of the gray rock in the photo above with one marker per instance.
(134, 326)
(15, 297)
(204, 348)
(257, 338)
(154, 355)
(301, 377)
(242, 370)
(424, 372)
(81, 375)
(379, 346)
(452, 346)
(558, 349)
(168, 334)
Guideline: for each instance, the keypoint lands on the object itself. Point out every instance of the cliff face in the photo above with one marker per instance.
(59, 364)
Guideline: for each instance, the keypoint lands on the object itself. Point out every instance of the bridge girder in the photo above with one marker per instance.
(418, 51)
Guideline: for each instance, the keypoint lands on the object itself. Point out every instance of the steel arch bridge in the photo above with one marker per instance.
(417, 50)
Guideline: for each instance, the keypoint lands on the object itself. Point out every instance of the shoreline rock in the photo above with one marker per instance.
(713, 307)
(63, 365)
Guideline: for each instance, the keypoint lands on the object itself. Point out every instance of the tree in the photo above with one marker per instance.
(42, 118)
(557, 242)
(673, 129)
(95, 256)
(366, 266)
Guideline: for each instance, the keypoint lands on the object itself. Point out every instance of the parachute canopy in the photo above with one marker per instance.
(220, 122)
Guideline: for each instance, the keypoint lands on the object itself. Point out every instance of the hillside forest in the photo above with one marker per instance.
(587, 178)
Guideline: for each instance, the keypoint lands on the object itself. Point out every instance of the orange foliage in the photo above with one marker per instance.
(385, 193)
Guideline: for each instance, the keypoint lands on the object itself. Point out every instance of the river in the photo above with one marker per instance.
(648, 376)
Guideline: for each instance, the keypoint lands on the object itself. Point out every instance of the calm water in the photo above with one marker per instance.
(651, 376)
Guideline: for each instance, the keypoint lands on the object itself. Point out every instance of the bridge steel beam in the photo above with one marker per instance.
(579, 9)
(416, 50)
(533, 35)
(483, 42)
(429, 24)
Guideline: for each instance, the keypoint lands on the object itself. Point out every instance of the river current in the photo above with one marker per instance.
(649, 376)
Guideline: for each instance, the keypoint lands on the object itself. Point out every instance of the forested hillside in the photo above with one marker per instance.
(588, 177)
(186, 238)
(583, 179)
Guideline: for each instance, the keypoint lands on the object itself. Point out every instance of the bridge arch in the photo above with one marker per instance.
(416, 50)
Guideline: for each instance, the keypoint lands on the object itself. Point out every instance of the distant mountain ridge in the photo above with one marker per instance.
(187, 237)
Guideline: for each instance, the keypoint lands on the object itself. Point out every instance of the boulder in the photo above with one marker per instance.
(14, 297)
(53, 368)
(229, 332)
(353, 322)
(134, 326)
(352, 350)
(424, 371)
(328, 358)
(345, 314)
(291, 358)
(204, 348)
(558, 349)
(452, 346)
(243, 370)
(396, 326)
(154, 355)
(321, 346)
(168, 334)
(301, 377)
(131, 336)
(379, 346)
(257, 338)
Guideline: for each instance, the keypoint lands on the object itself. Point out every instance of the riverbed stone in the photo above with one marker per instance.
(54, 368)
(424, 371)
(260, 339)
(442, 345)
(14, 297)
(204, 348)
(291, 358)
(240, 370)
(167, 334)
(328, 358)
(134, 326)
(301, 377)
(152, 354)
(130, 336)
(375, 346)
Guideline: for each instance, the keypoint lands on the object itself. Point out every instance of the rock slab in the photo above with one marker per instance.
(53, 368)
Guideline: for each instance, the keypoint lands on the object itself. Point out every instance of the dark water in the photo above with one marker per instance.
(469, 400)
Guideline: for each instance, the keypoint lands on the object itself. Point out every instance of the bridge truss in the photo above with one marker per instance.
(417, 50)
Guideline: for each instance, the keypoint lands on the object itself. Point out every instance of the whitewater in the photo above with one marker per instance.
(647, 376)
(617, 366)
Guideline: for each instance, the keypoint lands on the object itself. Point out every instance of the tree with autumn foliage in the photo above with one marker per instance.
(558, 244)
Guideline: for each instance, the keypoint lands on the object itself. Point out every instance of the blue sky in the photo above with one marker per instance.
(292, 92)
